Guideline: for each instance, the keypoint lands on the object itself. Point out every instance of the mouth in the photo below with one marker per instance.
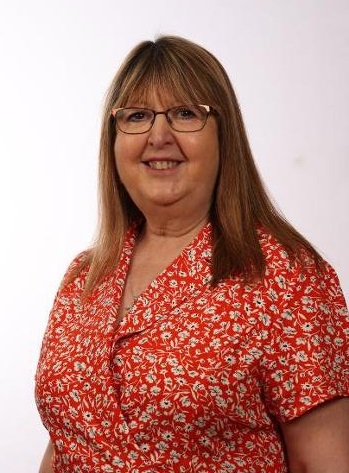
(162, 165)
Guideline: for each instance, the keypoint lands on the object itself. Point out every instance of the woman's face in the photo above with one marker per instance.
(163, 167)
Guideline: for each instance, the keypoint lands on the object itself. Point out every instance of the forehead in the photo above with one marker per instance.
(174, 76)
(163, 97)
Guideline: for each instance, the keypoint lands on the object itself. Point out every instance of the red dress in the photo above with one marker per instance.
(195, 378)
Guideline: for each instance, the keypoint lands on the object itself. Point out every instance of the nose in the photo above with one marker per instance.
(161, 132)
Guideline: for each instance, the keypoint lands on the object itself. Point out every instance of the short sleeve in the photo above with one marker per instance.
(71, 280)
(306, 361)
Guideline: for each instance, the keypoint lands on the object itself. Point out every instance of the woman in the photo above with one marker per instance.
(201, 333)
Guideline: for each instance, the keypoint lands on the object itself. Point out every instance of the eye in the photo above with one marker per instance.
(184, 113)
(137, 115)
(187, 112)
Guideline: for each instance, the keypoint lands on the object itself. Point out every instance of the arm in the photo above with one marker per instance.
(318, 441)
(46, 462)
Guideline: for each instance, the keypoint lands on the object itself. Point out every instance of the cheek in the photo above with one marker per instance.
(119, 149)
(122, 156)
(211, 162)
(202, 147)
(210, 155)
(212, 173)
(128, 149)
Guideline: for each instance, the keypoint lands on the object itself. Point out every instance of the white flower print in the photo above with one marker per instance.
(192, 375)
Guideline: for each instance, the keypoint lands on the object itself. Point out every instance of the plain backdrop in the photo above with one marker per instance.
(289, 63)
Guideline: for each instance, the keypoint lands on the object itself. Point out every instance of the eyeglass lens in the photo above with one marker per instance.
(181, 118)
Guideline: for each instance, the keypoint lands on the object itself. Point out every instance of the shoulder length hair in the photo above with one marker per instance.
(240, 203)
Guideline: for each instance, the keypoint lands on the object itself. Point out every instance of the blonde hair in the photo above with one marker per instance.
(240, 201)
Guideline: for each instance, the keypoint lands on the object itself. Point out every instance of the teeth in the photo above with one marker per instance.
(162, 164)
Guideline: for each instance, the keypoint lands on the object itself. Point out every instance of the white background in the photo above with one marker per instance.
(289, 63)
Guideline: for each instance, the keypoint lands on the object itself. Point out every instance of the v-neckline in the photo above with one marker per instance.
(187, 273)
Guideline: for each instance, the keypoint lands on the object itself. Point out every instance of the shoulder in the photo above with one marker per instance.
(276, 255)
(300, 277)
(278, 258)
(76, 272)
(304, 362)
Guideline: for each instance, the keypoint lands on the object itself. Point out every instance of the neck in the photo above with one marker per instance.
(173, 228)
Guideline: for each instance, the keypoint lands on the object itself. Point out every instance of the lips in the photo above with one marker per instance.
(163, 164)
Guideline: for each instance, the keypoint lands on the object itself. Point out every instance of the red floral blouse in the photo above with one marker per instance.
(194, 378)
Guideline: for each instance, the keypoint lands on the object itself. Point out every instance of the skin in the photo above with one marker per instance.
(176, 203)
(175, 200)
(318, 441)
(46, 462)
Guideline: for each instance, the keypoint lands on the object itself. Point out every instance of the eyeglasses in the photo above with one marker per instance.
(183, 118)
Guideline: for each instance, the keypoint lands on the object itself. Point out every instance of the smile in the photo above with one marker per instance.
(163, 164)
